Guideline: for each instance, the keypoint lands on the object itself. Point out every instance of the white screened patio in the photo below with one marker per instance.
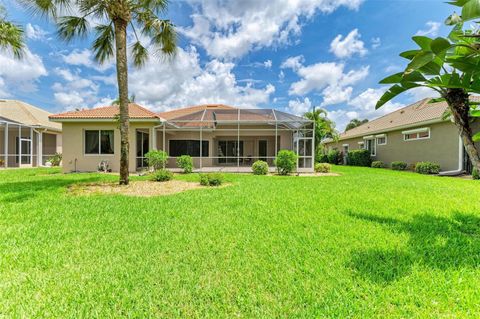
(231, 139)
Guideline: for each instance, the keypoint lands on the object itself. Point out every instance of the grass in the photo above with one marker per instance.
(369, 243)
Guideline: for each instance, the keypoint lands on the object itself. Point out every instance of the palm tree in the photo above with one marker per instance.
(355, 123)
(324, 127)
(11, 35)
(115, 18)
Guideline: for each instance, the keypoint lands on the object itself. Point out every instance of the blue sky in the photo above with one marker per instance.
(289, 55)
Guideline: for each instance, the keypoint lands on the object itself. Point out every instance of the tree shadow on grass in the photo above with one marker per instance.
(15, 192)
(435, 242)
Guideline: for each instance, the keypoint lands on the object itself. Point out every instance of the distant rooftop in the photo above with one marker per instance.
(20, 112)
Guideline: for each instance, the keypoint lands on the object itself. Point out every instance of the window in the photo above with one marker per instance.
(361, 145)
(370, 145)
(228, 151)
(419, 134)
(99, 142)
(187, 147)
(382, 140)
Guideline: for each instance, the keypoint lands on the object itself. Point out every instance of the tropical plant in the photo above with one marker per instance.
(355, 123)
(11, 35)
(286, 162)
(450, 66)
(162, 175)
(334, 157)
(324, 127)
(113, 20)
(185, 162)
(156, 159)
(56, 159)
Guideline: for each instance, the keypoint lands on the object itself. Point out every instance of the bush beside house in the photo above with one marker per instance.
(427, 168)
(286, 162)
(359, 158)
(260, 168)
(211, 179)
(399, 166)
(322, 167)
(476, 174)
(334, 157)
(185, 162)
(378, 164)
(162, 175)
(156, 159)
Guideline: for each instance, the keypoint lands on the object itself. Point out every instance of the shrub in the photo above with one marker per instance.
(286, 162)
(260, 168)
(378, 164)
(156, 159)
(56, 159)
(427, 168)
(399, 166)
(185, 162)
(475, 174)
(211, 179)
(2, 162)
(334, 157)
(359, 158)
(320, 156)
(322, 167)
(162, 175)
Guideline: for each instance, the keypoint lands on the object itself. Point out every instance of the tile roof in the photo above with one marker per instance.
(24, 113)
(107, 112)
(416, 113)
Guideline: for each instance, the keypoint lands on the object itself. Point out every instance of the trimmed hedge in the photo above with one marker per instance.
(323, 167)
(427, 168)
(378, 164)
(286, 162)
(211, 179)
(162, 175)
(334, 157)
(359, 158)
(260, 168)
(399, 166)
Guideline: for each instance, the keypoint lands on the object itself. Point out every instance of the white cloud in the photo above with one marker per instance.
(85, 58)
(34, 32)
(432, 29)
(421, 93)
(231, 29)
(183, 81)
(376, 42)
(22, 74)
(293, 63)
(361, 107)
(267, 64)
(346, 47)
(299, 107)
(329, 79)
(74, 91)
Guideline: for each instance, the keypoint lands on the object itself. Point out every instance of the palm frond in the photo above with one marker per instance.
(70, 27)
(103, 45)
(11, 38)
(140, 54)
(47, 8)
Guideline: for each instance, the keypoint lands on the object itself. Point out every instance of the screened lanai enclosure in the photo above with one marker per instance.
(233, 139)
(25, 145)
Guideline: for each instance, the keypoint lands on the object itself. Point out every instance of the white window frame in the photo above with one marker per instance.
(377, 137)
(362, 145)
(417, 132)
(99, 142)
(374, 145)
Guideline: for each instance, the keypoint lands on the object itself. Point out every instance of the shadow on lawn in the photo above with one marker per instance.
(15, 192)
(435, 242)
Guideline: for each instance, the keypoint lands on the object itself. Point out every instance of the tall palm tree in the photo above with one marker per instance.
(114, 19)
(324, 127)
(11, 35)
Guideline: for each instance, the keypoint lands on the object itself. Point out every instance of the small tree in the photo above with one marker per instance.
(449, 66)
(156, 159)
(355, 123)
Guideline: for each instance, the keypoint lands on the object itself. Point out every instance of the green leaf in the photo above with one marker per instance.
(453, 19)
(421, 59)
(440, 45)
(392, 79)
(471, 10)
(423, 42)
(409, 55)
(139, 53)
(475, 113)
(394, 91)
(70, 27)
(103, 44)
(476, 137)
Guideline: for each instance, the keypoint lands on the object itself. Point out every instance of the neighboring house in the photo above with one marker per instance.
(27, 137)
(231, 138)
(418, 132)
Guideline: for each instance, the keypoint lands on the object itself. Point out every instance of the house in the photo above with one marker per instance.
(216, 136)
(27, 137)
(418, 132)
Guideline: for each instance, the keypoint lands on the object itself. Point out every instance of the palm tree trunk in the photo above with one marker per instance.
(457, 100)
(122, 78)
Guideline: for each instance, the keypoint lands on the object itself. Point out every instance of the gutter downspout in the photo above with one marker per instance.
(460, 169)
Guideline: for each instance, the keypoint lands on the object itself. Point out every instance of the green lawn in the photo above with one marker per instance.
(370, 243)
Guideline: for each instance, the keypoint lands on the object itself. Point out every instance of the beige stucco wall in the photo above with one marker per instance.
(73, 146)
(442, 147)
